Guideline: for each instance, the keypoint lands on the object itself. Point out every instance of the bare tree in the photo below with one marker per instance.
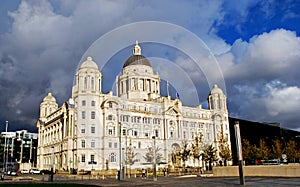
(149, 157)
(209, 155)
(130, 158)
(184, 152)
(196, 150)
(224, 149)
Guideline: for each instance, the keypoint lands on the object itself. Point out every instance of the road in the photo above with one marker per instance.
(175, 181)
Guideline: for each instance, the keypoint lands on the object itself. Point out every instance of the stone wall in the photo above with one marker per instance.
(261, 171)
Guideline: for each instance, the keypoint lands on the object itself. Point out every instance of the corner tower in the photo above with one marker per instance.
(217, 99)
(87, 79)
(48, 106)
(137, 80)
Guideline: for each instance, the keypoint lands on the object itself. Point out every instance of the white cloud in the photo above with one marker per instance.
(282, 100)
(261, 77)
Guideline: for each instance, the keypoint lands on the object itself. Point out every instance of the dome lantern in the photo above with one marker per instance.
(137, 49)
(137, 58)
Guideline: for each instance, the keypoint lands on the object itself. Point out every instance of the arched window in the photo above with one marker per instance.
(112, 157)
(92, 84)
(109, 117)
(85, 83)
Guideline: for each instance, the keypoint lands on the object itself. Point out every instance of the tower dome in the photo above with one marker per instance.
(89, 63)
(216, 90)
(48, 105)
(137, 58)
(49, 98)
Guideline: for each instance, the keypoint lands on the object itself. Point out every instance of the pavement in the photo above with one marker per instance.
(172, 181)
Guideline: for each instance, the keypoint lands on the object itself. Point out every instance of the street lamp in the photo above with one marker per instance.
(120, 177)
(154, 159)
(239, 151)
(126, 159)
(4, 159)
(52, 165)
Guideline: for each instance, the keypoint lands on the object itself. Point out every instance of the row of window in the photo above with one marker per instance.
(92, 158)
(83, 115)
(112, 158)
(92, 144)
(137, 119)
(83, 103)
(83, 129)
(111, 131)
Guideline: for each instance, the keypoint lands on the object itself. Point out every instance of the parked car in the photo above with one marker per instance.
(35, 171)
(25, 171)
(44, 171)
(12, 173)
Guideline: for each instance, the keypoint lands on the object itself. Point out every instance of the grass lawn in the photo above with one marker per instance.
(43, 185)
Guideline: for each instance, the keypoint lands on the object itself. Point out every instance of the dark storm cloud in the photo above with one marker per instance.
(40, 52)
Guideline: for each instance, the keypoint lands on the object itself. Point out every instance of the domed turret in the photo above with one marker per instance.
(137, 58)
(138, 80)
(49, 98)
(217, 99)
(216, 90)
(48, 105)
(89, 63)
(87, 79)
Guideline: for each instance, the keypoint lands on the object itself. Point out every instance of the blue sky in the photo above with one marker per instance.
(256, 44)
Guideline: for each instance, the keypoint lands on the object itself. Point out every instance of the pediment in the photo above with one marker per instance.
(173, 111)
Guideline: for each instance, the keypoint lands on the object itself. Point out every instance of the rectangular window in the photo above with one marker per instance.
(93, 103)
(82, 158)
(135, 133)
(93, 129)
(116, 145)
(92, 158)
(93, 115)
(83, 143)
(110, 131)
(124, 132)
(83, 102)
(93, 144)
(109, 144)
(156, 133)
(146, 134)
(83, 114)
(83, 128)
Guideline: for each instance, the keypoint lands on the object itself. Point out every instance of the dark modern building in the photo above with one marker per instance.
(20, 150)
(254, 131)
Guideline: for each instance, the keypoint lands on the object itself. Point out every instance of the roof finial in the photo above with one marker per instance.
(137, 49)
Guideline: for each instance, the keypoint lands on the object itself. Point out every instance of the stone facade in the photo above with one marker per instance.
(85, 133)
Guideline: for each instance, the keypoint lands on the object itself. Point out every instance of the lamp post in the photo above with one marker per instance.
(52, 164)
(239, 152)
(126, 158)
(120, 177)
(154, 159)
(4, 155)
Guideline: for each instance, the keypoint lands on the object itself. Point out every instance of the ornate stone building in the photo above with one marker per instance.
(85, 132)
